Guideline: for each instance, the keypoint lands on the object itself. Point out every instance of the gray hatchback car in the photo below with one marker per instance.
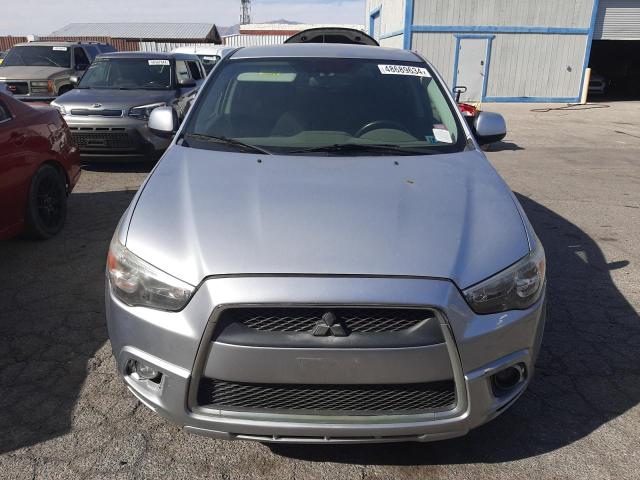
(324, 254)
(108, 111)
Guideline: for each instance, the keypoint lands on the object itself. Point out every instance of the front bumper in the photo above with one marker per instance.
(115, 138)
(176, 344)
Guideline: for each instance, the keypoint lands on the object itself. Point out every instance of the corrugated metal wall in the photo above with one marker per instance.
(168, 46)
(527, 62)
(535, 65)
(7, 42)
(120, 44)
(253, 40)
(393, 42)
(538, 13)
(439, 50)
(521, 65)
(618, 20)
(391, 15)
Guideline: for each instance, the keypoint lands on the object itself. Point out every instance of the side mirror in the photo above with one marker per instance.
(190, 83)
(458, 90)
(489, 128)
(163, 122)
(74, 80)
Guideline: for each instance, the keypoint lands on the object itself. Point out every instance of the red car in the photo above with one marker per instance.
(39, 166)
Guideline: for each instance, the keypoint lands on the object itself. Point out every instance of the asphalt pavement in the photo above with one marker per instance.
(65, 414)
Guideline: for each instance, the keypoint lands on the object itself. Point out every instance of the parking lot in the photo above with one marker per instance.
(65, 414)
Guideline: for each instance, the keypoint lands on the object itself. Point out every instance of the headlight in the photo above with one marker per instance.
(143, 111)
(516, 288)
(43, 85)
(136, 283)
(60, 108)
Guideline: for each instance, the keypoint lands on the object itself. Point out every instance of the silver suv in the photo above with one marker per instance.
(109, 109)
(40, 71)
(324, 254)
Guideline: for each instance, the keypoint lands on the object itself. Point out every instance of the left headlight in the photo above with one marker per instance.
(143, 111)
(137, 283)
(516, 288)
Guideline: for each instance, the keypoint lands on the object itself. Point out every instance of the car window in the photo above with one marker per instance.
(182, 71)
(194, 69)
(128, 74)
(293, 104)
(4, 112)
(209, 61)
(80, 58)
(38, 56)
(92, 51)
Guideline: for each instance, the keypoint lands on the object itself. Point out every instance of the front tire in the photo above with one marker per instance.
(47, 204)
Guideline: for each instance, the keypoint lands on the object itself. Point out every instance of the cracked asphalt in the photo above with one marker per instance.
(65, 414)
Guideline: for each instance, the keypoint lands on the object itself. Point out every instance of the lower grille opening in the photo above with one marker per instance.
(400, 399)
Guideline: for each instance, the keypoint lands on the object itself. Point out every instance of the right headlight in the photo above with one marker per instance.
(140, 284)
(516, 288)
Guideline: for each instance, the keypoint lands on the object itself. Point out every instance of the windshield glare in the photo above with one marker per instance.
(128, 73)
(38, 56)
(288, 105)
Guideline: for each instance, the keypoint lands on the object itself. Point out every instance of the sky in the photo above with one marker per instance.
(41, 17)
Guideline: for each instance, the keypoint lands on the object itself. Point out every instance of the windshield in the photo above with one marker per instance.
(38, 56)
(128, 74)
(297, 104)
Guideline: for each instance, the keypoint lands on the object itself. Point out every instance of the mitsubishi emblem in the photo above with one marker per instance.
(329, 325)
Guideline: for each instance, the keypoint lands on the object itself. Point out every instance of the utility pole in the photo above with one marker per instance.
(245, 12)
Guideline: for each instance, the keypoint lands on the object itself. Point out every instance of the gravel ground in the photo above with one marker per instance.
(65, 414)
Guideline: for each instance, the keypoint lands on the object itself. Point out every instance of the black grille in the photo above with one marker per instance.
(329, 399)
(357, 320)
(102, 140)
(97, 113)
(18, 88)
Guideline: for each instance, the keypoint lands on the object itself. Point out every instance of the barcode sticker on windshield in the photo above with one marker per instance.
(158, 62)
(404, 70)
(59, 49)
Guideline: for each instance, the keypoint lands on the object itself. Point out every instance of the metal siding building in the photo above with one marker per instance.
(507, 50)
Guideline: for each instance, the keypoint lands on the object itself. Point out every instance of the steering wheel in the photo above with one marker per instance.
(379, 124)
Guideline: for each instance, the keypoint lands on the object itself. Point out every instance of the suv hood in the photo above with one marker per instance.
(86, 97)
(31, 73)
(204, 213)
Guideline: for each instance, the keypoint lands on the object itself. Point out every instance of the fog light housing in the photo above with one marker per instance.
(505, 380)
(142, 371)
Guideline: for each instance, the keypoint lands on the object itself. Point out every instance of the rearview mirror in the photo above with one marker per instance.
(163, 122)
(489, 128)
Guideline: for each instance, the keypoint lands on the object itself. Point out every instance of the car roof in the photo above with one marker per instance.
(328, 50)
(57, 44)
(204, 49)
(150, 55)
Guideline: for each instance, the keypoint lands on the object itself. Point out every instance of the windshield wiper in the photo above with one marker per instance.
(226, 141)
(369, 148)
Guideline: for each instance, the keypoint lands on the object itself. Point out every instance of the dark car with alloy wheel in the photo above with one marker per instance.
(39, 166)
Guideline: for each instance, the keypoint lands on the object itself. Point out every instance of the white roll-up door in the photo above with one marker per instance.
(618, 20)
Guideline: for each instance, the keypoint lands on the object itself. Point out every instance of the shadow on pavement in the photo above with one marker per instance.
(588, 372)
(502, 146)
(52, 319)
